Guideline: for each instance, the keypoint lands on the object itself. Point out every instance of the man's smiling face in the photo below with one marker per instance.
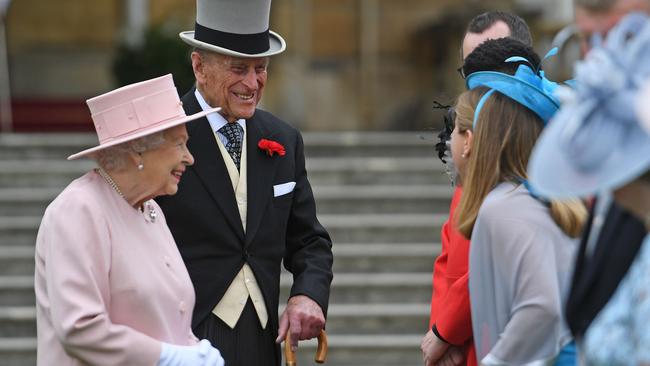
(235, 84)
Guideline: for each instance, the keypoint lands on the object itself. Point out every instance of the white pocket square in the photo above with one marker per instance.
(282, 189)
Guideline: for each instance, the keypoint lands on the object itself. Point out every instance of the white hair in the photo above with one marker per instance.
(115, 158)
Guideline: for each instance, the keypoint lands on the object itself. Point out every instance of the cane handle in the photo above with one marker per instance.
(321, 352)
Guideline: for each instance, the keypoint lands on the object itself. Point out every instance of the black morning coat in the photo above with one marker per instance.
(596, 277)
(205, 222)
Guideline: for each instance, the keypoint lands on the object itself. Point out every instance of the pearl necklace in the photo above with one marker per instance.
(150, 208)
(109, 180)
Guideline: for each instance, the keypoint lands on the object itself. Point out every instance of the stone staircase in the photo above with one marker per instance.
(382, 196)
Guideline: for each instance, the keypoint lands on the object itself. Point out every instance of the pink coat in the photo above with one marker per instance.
(109, 284)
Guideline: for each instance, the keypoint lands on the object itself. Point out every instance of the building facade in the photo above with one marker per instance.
(349, 64)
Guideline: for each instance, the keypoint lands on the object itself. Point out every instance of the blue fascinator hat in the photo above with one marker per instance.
(595, 143)
(528, 87)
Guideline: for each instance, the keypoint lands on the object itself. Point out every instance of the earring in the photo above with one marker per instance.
(463, 155)
(141, 165)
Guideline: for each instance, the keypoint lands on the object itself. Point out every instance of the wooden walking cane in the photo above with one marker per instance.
(321, 352)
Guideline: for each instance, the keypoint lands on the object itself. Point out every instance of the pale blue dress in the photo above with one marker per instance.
(620, 334)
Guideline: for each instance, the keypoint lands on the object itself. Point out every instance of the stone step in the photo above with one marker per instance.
(329, 199)
(16, 260)
(378, 318)
(353, 228)
(17, 291)
(376, 171)
(357, 349)
(20, 321)
(26, 201)
(371, 288)
(18, 230)
(44, 146)
(348, 258)
(17, 321)
(41, 173)
(317, 144)
(321, 171)
(384, 257)
(381, 228)
(16, 351)
(347, 144)
(382, 199)
(347, 288)
(344, 350)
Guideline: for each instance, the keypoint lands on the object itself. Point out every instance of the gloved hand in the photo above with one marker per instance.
(203, 354)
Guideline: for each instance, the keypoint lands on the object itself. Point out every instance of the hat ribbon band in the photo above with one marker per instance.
(148, 127)
(251, 44)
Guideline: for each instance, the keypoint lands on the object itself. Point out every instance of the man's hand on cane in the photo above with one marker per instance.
(303, 318)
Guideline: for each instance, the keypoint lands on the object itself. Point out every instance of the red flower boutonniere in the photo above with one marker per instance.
(271, 147)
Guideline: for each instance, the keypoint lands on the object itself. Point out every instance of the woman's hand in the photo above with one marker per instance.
(432, 349)
(202, 354)
(453, 357)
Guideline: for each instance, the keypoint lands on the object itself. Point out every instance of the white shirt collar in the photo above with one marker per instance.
(216, 120)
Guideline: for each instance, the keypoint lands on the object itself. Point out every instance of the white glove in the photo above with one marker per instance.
(203, 354)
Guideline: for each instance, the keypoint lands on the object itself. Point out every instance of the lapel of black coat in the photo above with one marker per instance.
(261, 170)
(209, 165)
(597, 277)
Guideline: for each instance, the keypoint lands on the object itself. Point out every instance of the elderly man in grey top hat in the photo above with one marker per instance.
(246, 206)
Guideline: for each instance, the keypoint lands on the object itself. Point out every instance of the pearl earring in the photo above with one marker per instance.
(140, 166)
(463, 155)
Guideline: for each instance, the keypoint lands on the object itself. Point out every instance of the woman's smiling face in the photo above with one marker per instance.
(164, 165)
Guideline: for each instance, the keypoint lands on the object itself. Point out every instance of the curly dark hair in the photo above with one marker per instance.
(491, 55)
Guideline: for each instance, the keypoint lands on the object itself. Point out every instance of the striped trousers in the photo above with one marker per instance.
(246, 345)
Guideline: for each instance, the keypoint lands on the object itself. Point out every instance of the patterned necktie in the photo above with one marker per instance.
(235, 135)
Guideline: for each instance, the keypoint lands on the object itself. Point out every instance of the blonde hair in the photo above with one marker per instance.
(504, 137)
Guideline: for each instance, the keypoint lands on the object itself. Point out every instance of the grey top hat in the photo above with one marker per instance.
(234, 27)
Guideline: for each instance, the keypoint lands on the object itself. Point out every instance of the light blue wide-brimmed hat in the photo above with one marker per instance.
(595, 143)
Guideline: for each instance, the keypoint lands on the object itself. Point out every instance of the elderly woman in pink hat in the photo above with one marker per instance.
(111, 287)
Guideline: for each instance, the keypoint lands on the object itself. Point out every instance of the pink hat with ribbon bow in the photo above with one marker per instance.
(136, 110)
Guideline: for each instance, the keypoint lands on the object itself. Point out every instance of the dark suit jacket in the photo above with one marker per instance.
(596, 277)
(205, 222)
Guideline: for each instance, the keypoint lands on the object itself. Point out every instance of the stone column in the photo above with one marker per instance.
(369, 61)
(5, 89)
(137, 17)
